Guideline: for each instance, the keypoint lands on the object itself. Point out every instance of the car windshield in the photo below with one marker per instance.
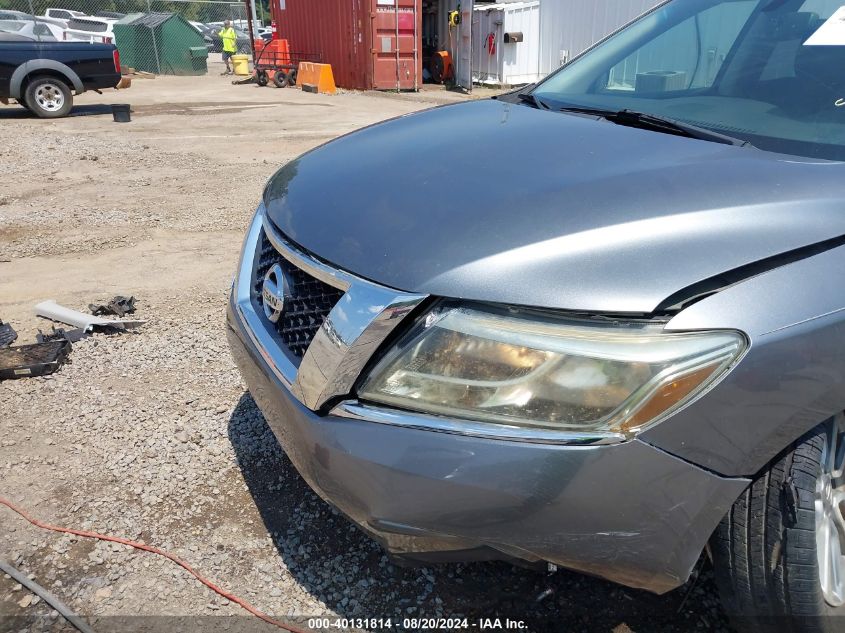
(771, 72)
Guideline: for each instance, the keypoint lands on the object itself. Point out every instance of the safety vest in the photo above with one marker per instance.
(229, 38)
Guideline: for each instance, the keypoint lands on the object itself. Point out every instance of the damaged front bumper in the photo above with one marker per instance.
(627, 512)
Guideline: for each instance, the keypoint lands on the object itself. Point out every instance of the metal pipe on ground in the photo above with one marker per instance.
(77, 622)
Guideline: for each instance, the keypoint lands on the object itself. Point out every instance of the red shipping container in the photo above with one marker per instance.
(370, 44)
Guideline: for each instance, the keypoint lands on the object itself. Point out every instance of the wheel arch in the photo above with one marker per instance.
(765, 550)
(791, 379)
(42, 67)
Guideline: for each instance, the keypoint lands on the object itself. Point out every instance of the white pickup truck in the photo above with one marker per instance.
(63, 14)
(90, 29)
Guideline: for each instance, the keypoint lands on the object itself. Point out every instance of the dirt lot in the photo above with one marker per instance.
(151, 434)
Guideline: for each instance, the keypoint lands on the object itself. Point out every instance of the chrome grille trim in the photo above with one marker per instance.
(348, 337)
(308, 305)
(307, 262)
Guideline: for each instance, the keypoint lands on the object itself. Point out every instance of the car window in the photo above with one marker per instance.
(714, 31)
(40, 29)
(768, 71)
(10, 26)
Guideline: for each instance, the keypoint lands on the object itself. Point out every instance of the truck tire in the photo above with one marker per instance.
(778, 554)
(48, 97)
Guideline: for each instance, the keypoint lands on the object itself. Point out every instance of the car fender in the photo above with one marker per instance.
(27, 68)
(791, 378)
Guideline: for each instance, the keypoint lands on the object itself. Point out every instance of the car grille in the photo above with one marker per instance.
(305, 310)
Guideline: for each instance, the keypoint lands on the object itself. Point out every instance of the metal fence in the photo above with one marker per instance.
(144, 31)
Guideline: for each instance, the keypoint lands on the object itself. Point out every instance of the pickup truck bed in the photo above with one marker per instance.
(43, 76)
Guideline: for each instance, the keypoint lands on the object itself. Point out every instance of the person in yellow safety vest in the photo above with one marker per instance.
(230, 38)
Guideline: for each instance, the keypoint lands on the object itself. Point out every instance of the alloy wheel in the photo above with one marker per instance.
(830, 522)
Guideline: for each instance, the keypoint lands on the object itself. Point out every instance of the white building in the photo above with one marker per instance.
(519, 42)
(568, 27)
(503, 33)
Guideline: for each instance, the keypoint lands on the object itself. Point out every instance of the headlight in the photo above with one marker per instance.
(544, 373)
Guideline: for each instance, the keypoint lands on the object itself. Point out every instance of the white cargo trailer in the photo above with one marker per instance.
(506, 38)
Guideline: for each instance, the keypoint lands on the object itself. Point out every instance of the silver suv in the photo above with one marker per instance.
(599, 322)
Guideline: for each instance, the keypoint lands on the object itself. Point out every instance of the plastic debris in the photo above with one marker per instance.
(38, 359)
(61, 334)
(119, 306)
(7, 334)
(54, 311)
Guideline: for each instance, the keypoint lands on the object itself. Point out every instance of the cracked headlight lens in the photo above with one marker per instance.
(544, 373)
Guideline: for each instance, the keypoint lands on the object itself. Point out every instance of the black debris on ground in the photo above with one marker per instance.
(7, 334)
(61, 334)
(120, 306)
(37, 359)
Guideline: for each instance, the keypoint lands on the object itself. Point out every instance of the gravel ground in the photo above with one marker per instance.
(151, 434)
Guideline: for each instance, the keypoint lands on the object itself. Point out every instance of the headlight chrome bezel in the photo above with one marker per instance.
(622, 424)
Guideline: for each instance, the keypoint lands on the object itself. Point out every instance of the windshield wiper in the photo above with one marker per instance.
(657, 123)
(527, 97)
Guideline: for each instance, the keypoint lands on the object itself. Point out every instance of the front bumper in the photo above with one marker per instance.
(627, 512)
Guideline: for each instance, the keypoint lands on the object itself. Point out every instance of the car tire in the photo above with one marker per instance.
(778, 552)
(48, 97)
(261, 78)
(281, 79)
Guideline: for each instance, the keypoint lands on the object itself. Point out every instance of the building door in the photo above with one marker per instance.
(396, 36)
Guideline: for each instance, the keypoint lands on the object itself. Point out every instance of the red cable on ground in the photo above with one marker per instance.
(154, 550)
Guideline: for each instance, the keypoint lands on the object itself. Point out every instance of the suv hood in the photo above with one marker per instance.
(502, 202)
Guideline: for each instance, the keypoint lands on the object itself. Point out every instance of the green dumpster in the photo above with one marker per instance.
(161, 43)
